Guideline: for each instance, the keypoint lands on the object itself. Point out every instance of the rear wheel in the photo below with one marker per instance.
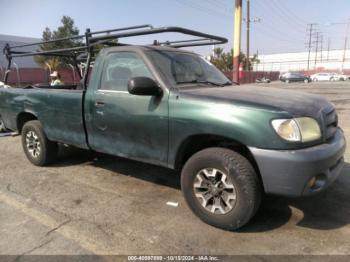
(221, 187)
(306, 81)
(39, 150)
(287, 81)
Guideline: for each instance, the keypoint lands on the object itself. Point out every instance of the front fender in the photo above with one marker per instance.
(249, 126)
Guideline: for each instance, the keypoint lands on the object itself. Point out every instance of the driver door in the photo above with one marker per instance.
(124, 124)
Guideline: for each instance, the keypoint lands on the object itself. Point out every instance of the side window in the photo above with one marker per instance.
(119, 68)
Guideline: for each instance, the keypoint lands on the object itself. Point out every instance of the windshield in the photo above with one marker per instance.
(185, 68)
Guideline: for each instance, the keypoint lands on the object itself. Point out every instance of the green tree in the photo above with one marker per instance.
(218, 51)
(67, 29)
(224, 60)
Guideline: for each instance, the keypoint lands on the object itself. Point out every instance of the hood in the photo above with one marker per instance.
(295, 103)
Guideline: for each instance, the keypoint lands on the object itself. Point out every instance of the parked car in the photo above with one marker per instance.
(341, 77)
(337, 77)
(344, 77)
(324, 77)
(295, 77)
(170, 107)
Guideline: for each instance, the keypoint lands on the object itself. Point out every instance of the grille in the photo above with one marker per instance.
(330, 122)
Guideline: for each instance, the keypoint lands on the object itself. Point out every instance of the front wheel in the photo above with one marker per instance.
(306, 81)
(39, 150)
(221, 187)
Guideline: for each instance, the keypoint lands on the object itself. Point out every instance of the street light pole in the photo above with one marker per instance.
(237, 39)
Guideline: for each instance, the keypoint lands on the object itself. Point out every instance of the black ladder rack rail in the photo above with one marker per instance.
(106, 37)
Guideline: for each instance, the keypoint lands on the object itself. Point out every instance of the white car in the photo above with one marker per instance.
(343, 77)
(323, 77)
(338, 77)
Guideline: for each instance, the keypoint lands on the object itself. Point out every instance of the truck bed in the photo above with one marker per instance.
(59, 110)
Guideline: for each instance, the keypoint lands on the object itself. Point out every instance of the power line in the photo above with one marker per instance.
(263, 31)
(273, 25)
(201, 8)
(283, 16)
(298, 18)
(287, 14)
(219, 5)
(270, 12)
(268, 29)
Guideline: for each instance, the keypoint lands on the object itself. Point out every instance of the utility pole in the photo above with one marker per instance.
(347, 23)
(321, 41)
(317, 40)
(310, 30)
(247, 67)
(237, 39)
(328, 47)
(249, 21)
(345, 44)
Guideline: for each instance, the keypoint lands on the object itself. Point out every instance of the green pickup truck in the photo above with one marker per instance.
(165, 106)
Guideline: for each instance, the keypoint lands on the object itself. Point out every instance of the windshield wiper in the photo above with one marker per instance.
(196, 81)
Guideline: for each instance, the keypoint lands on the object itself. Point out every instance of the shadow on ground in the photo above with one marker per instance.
(325, 211)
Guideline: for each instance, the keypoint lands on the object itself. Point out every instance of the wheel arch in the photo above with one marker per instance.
(196, 143)
(23, 118)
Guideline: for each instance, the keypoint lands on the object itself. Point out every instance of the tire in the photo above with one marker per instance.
(242, 190)
(315, 79)
(306, 81)
(39, 150)
(287, 81)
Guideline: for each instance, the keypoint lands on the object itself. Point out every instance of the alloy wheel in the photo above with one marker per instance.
(33, 144)
(214, 191)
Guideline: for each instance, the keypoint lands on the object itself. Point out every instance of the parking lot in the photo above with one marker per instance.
(90, 203)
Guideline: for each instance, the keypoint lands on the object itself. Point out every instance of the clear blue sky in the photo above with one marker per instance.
(282, 25)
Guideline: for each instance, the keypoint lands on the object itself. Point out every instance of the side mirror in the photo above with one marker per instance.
(143, 86)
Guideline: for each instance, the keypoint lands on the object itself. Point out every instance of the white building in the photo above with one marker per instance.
(332, 60)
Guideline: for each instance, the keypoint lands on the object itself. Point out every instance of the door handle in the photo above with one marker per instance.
(99, 103)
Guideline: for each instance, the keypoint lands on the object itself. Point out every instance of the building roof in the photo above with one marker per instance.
(18, 39)
(22, 62)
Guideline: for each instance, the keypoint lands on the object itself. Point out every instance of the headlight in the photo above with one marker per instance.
(302, 129)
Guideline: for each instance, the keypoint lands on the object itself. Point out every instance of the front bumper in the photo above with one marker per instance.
(301, 172)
